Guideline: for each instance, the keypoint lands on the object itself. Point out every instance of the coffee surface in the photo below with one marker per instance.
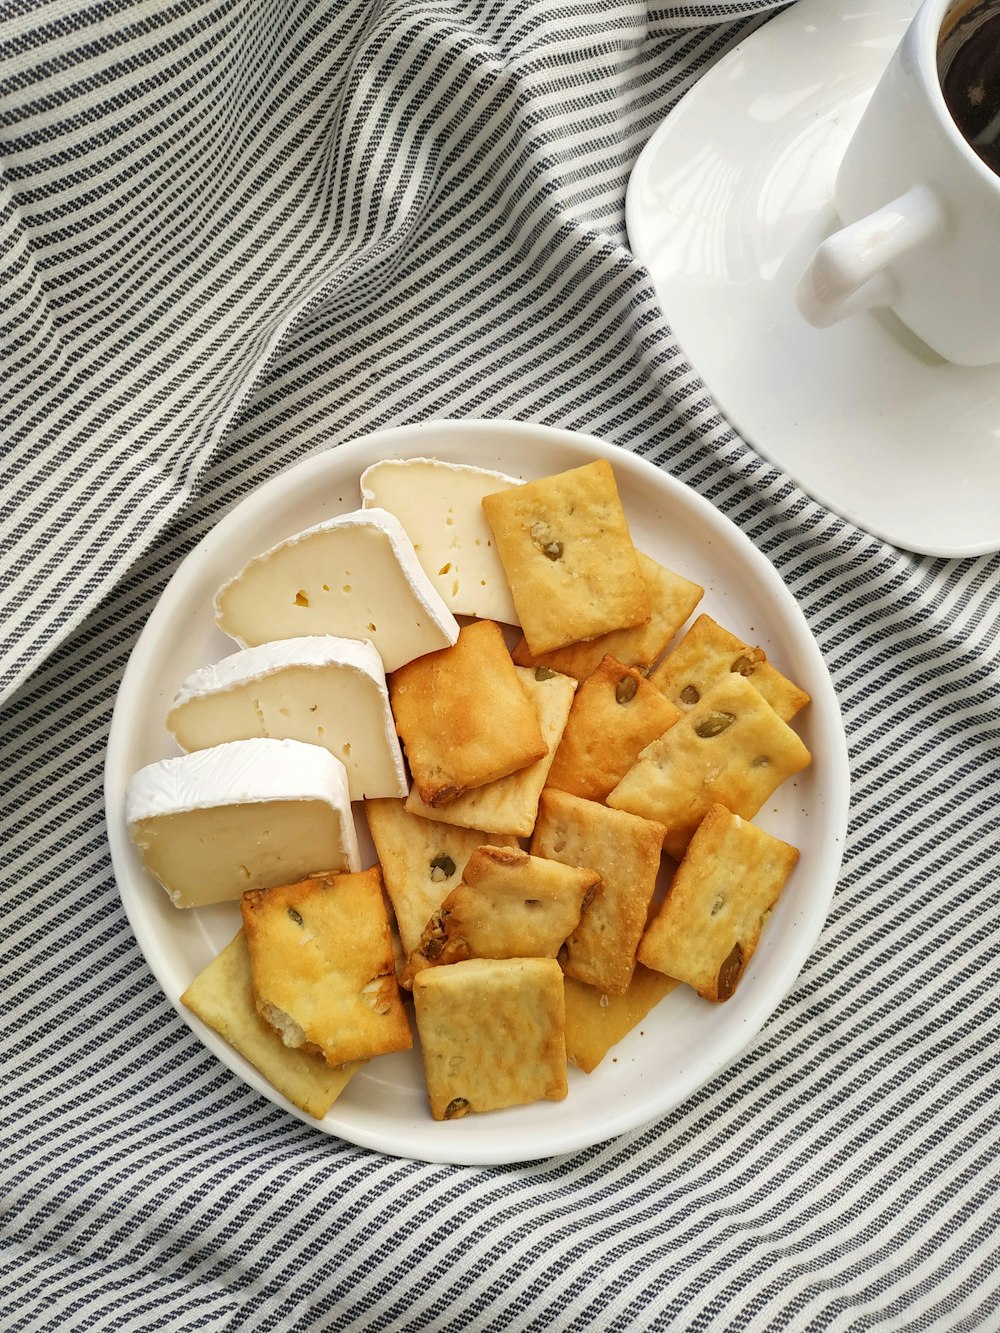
(969, 63)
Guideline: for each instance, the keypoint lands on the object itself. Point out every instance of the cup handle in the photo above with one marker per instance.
(849, 271)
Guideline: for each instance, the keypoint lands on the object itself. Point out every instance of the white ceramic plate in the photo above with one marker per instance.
(725, 206)
(686, 1041)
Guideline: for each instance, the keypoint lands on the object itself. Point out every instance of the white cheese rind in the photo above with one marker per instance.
(355, 576)
(321, 690)
(247, 814)
(440, 506)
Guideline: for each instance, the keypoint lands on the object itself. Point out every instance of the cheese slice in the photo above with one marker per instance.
(247, 814)
(321, 689)
(441, 507)
(355, 576)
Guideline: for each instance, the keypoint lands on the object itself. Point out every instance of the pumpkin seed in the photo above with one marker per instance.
(714, 725)
(625, 689)
(730, 971)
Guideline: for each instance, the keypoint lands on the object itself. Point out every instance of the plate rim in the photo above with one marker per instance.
(409, 441)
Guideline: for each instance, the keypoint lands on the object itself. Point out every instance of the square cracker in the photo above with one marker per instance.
(710, 921)
(565, 545)
(615, 714)
(510, 805)
(508, 905)
(492, 1034)
(324, 973)
(463, 716)
(706, 654)
(672, 599)
(222, 997)
(422, 861)
(731, 748)
(597, 1021)
(625, 851)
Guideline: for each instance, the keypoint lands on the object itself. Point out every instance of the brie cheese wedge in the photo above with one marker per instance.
(441, 507)
(322, 690)
(247, 814)
(355, 576)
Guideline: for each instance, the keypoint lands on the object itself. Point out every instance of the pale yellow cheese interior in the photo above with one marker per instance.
(339, 709)
(212, 855)
(345, 582)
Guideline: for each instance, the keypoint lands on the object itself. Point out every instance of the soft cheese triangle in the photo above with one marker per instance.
(320, 689)
(355, 576)
(247, 814)
(441, 507)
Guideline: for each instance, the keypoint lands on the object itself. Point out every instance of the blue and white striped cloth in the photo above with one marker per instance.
(236, 232)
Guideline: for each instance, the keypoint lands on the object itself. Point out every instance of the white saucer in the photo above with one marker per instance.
(725, 206)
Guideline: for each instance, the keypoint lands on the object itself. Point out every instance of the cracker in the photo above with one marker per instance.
(564, 543)
(710, 921)
(624, 849)
(323, 969)
(672, 599)
(706, 654)
(422, 861)
(597, 1021)
(510, 805)
(463, 716)
(492, 1034)
(731, 748)
(222, 997)
(615, 714)
(508, 905)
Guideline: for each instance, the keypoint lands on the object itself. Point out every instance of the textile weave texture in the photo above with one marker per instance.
(238, 232)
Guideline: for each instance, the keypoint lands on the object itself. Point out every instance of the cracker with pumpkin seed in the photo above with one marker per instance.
(492, 1034)
(624, 849)
(323, 969)
(422, 860)
(725, 887)
(510, 805)
(596, 1020)
(566, 549)
(615, 714)
(707, 653)
(730, 749)
(672, 598)
(463, 716)
(508, 905)
(221, 995)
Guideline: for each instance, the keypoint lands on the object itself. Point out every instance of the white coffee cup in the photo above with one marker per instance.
(921, 211)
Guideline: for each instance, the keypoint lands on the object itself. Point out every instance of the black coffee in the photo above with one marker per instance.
(969, 66)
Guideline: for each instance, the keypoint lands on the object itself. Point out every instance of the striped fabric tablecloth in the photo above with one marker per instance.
(236, 232)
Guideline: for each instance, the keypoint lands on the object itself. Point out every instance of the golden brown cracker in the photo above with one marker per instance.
(510, 805)
(492, 1034)
(625, 851)
(422, 860)
(508, 905)
(731, 748)
(596, 1021)
(706, 654)
(222, 997)
(463, 716)
(710, 921)
(566, 549)
(323, 967)
(615, 714)
(672, 599)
